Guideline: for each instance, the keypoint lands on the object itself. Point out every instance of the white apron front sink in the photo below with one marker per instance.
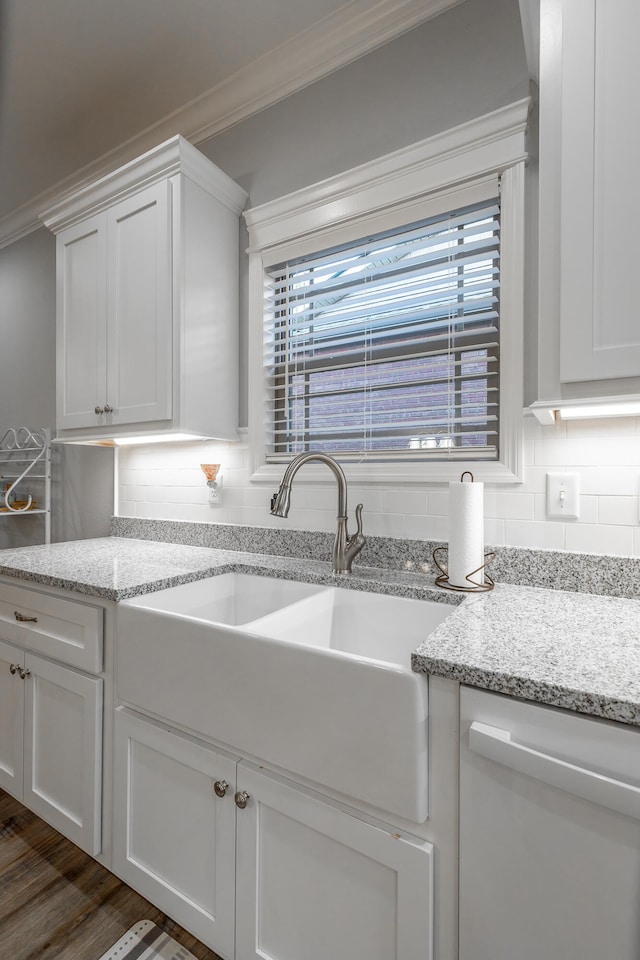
(233, 598)
(321, 686)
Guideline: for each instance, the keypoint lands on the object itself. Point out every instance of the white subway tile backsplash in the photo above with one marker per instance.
(534, 534)
(369, 496)
(129, 477)
(590, 510)
(427, 528)
(609, 481)
(232, 495)
(620, 510)
(306, 519)
(383, 525)
(494, 532)
(599, 538)
(131, 492)
(259, 498)
(167, 483)
(584, 452)
(620, 426)
(508, 506)
(564, 453)
(153, 511)
(534, 479)
(307, 496)
(407, 501)
(438, 502)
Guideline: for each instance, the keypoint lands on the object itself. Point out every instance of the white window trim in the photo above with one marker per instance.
(391, 191)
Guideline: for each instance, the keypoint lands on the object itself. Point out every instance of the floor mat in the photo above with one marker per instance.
(146, 941)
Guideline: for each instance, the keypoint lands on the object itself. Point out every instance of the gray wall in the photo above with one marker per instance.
(458, 66)
(83, 476)
(464, 63)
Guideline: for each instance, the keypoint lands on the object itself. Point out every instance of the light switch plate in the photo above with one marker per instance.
(563, 496)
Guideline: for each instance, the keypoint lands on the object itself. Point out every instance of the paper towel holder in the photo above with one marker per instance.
(482, 585)
(474, 587)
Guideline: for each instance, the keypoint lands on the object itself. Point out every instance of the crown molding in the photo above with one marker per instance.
(173, 156)
(332, 43)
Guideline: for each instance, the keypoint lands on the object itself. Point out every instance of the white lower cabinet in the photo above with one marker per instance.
(314, 881)
(174, 838)
(281, 873)
(51, 743)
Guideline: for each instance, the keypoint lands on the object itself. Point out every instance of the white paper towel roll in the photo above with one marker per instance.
(466, 532)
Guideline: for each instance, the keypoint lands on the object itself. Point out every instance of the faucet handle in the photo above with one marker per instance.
(356, 542)
(274, 499)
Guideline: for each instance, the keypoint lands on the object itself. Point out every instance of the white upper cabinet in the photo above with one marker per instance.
(588, 338)
(600, 203)
(147, 300)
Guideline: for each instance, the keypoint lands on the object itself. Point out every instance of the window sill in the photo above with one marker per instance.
(392, 473)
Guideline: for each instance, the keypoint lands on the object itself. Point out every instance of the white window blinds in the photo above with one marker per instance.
(388, 348)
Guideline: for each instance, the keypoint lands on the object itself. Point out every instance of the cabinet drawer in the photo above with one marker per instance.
(62, 629)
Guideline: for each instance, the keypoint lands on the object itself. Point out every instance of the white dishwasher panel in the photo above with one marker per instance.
(549, 833)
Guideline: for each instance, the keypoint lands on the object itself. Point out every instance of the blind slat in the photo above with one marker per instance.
(371, 359)
(453, 264)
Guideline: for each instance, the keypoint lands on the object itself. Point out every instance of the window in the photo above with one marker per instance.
(386, 313)
(389, 346)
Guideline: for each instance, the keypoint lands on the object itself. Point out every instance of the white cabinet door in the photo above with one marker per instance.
(174, 837)
(140, 309)
(600, 199)
(115, 310)
(314, 882)
(63, 750)
(11, 719)
(81, 324)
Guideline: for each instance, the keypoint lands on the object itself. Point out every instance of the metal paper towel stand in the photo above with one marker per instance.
(474, 587)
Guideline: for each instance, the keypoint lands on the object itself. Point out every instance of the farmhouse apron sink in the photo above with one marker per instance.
(313, 679)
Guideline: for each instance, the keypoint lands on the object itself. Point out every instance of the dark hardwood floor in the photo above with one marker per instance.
(57, 903)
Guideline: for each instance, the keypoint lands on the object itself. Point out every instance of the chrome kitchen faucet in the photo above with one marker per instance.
(345, 547)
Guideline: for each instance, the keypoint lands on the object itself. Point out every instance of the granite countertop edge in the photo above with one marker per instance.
(576, 651)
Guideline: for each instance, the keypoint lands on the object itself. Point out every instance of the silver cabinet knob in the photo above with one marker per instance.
(242, 798)
(98, 410)
(220, 787)
(14, 667)
(24, 673)
(108, 408)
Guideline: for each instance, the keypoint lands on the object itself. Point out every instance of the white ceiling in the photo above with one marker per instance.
(87, 84)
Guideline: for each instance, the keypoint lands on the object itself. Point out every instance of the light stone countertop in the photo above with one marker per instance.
(116, 568)
(572, 650)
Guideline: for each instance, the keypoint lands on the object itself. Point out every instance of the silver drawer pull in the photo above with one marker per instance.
(242, 798)
(24, 673)
(14, 667)
(220, 787)
(22, 619)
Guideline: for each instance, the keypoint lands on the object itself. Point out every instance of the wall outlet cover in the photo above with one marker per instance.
(215, 490)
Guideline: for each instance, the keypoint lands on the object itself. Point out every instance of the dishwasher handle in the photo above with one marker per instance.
(496, 744)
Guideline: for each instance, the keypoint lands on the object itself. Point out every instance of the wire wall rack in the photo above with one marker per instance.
(25, 474)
